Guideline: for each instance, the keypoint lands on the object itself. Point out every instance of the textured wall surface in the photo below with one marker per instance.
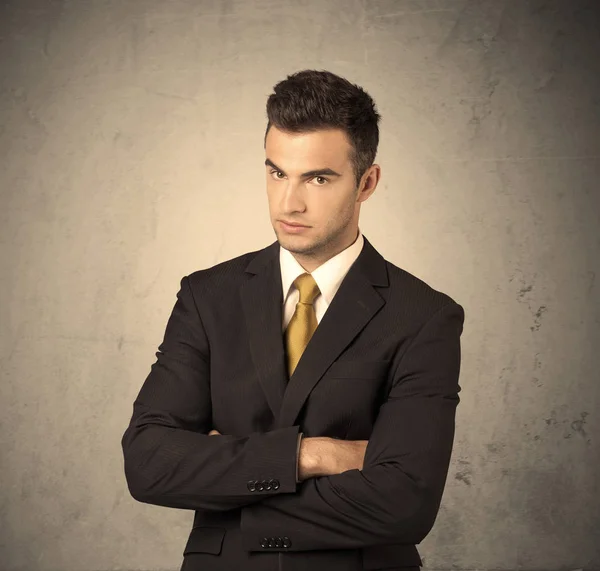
(131, 154)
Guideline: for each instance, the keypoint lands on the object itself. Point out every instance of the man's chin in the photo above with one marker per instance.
(295, 244)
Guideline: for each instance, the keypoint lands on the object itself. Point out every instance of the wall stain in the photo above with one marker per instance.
(528, 433)
(464, 473)
(537, 365)
(577, 425)
(537, 318)
(495, 447)
(537, 382)
(523, 291)
(506, 372)
(570, 427)
(523, 297)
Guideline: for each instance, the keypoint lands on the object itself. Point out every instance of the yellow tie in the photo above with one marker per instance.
(303, 322)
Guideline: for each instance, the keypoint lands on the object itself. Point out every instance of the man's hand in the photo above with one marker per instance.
(214, 432)
(322, 456)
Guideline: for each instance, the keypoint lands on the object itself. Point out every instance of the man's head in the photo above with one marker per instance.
(320, 144)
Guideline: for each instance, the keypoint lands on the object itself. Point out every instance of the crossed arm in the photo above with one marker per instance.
(323, 456)
(353, 493)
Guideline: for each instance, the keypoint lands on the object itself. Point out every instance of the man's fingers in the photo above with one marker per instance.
(214, 433)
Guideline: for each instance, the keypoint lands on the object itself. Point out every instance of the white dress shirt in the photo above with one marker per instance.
(328, 276)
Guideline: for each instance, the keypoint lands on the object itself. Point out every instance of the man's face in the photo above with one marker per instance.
(310, 181)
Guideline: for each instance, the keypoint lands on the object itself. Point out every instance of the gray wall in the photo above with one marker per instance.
(131, 154)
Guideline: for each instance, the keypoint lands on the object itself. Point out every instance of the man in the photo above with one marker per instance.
(303, 398)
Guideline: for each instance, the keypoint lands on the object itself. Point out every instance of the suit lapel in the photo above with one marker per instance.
(262, 300)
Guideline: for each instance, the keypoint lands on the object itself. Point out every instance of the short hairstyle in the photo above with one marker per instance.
(311, 100)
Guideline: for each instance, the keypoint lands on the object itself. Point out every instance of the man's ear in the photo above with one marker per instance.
(369, 182)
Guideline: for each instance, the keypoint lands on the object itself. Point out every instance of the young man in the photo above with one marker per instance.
(303, 398)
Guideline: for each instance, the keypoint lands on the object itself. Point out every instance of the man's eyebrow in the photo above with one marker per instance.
(317, 172)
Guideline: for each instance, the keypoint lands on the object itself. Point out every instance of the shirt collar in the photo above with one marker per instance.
(328, 276)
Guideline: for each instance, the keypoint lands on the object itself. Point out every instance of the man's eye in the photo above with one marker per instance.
(321, 180)
(277, 173)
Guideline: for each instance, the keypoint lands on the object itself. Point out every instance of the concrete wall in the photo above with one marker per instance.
(131, 154)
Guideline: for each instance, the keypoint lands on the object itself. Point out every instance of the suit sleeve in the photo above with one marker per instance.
(169, 459)
(396, 496)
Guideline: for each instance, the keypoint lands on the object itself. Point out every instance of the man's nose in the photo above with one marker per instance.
(293, 197)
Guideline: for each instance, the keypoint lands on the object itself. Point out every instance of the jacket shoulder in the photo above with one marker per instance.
(226, 271)
(423, 298)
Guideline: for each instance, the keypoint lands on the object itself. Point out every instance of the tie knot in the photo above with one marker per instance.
(308, 288)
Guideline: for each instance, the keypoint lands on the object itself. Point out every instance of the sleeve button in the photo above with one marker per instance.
(268, 484)
(252, 485)
(287, 542)
(278, 542)
(260, 486)
(271, 542)
(264, 542)
(275, 484)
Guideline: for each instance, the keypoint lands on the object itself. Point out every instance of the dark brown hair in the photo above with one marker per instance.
(310, 100)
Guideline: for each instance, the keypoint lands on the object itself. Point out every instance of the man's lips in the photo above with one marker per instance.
(294, 224)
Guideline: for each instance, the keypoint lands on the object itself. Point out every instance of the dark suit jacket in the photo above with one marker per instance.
(383, 365)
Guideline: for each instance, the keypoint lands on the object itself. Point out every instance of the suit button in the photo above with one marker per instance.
(275, 484)
(271, 542)
(264, 542)
(278, 542)
(252, 485)
(260, 486)
(287, 542)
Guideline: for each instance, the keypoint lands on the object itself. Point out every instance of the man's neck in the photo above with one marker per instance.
(311, 264)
